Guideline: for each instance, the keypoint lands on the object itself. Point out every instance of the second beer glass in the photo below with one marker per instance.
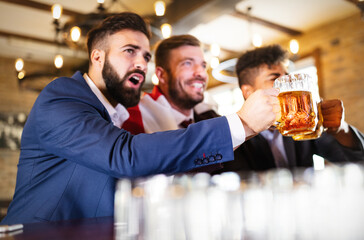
(299, 109)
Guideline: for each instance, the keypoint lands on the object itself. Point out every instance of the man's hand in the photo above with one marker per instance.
(333, 115)
(259, 111)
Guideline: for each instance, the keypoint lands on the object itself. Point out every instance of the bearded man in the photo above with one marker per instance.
(73, 150)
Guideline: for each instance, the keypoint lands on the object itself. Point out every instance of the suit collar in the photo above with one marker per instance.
(87, 92)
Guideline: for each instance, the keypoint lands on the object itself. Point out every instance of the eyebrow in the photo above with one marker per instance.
(274, 75)
(192, 59)
(147, 53)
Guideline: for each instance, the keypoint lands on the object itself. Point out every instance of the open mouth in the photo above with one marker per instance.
(197, 85)
(134, 80)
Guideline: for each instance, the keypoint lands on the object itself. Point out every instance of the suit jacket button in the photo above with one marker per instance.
(218, 157)
(212, 158)
(205, 160)
(198, 161)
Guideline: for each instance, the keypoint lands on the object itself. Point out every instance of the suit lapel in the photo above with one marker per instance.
(264, 157)
(289, 147)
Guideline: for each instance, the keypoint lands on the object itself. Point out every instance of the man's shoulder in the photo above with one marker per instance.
(65, 83)
(72, 88)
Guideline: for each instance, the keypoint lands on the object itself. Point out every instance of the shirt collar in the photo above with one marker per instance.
(119, 114)
(158, 96)
(181, 117)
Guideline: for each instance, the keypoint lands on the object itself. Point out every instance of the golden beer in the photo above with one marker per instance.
(297, 113)
(319, 128)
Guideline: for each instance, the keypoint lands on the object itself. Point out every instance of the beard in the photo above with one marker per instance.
(181, 98)
(128, 97)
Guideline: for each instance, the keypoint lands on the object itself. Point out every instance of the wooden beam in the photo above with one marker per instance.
(178, 9)
(42, 40)
(40, 6)
(266, 23)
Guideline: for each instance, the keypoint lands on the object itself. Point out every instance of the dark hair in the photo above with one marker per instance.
(248, 64)
(165, 46)
(113, 24)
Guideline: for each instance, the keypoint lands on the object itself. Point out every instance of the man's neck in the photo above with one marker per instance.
(186, 112)
(100, 84)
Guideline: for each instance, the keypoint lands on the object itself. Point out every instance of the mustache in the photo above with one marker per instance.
(198, 79)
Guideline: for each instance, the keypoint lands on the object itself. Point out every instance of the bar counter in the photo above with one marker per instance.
(91, 229)
(278, 204)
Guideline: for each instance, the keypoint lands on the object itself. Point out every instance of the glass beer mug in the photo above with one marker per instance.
(299, 99)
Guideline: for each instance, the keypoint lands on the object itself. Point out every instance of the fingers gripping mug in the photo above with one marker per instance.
(299, 105)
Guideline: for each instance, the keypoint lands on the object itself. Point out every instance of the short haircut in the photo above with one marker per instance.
(247, 67)
(165, 46)
(113, 24)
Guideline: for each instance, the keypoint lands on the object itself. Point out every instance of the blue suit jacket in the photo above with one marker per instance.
(72, 154)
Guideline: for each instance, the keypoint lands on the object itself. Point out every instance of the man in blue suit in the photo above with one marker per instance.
(73, 151)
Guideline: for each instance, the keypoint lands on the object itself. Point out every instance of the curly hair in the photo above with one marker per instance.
(113, 24)
(248, 64)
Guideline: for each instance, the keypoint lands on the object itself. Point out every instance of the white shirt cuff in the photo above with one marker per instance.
(236, 129)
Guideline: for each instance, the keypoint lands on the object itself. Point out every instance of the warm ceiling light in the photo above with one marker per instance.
(58, 61)
(294, 46)
(21, 74)
(166, 30)
(75, 33)
(257, 40)
(19, 64)
(100, 1)
(57, 11)
(215, 49)
(159, 8)
(155, 79)
(214, 62)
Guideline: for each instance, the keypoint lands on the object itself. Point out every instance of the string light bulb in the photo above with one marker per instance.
(214, 62)
(58, 61)
(257, 40)
(19, 64)
(159, 8)
(75, 33)
(294, 46)
(215, 49)
(100, 1)
(166, 30)
(57, 11)
(155, 79)
(21, 74)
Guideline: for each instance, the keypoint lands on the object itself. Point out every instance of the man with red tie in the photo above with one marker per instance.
(178, 99)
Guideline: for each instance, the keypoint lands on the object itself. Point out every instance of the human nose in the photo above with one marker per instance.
(140, 63)
(200, 71)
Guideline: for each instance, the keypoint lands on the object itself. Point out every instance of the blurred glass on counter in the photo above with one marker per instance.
(277, 204)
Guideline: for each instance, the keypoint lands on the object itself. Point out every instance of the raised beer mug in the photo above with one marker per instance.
(318, 131)
(299, 106)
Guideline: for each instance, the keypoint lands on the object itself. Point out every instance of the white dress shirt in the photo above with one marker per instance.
(119, 115)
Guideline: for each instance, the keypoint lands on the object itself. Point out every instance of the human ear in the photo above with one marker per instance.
(247, 90)
(161, 74)
(97, 57)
